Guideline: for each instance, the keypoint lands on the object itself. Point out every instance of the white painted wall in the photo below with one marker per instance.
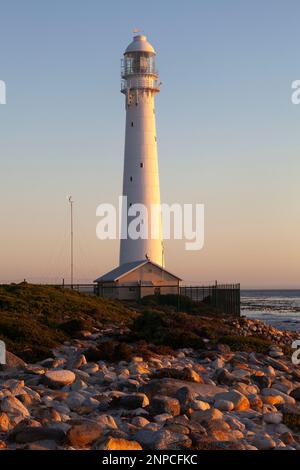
(141, 184)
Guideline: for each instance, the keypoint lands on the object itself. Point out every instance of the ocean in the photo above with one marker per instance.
(279, 308)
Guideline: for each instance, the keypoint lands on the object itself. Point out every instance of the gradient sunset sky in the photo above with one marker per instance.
(228, 134)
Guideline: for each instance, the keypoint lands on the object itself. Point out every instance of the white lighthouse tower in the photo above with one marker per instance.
(141, 271)
(140, 179)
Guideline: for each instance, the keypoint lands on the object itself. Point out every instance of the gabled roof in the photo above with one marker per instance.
(126, 268)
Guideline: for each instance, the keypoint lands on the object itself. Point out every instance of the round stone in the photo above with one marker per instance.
(59, 378)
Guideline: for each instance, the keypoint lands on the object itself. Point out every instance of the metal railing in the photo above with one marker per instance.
(140, 83)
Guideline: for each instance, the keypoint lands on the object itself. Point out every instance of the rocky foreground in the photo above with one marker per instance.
(193, 399)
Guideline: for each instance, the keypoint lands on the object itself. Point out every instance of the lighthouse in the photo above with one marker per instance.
(140, 84)
(141, 271)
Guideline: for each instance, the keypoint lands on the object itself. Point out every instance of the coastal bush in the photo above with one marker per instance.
(34, 319)
(114, 351)
(176, 330)
(246, 343)
(110, 350)
(182, 303)
(71, 327)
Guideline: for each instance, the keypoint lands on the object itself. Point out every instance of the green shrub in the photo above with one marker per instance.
(180, 303)
(75, 325)
(34, 319)
(176, 330)
(246, 343)
(110, 350)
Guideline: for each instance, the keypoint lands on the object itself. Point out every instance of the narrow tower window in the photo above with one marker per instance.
(142, 165)
(131, 123)
(130, 178)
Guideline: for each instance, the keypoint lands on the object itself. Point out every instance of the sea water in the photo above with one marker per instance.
(279, 308)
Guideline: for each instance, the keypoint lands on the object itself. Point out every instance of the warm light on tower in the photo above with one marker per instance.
(141, 179)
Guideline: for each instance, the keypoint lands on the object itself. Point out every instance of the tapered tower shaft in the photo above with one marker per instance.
(141, 176)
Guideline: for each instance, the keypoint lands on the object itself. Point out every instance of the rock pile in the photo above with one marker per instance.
(208, 399)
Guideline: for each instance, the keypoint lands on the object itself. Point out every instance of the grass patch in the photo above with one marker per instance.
(34, 319)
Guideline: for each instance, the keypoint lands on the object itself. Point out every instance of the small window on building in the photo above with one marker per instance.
(130, 178)
(131, 123)
(142, 165)
(130, 204)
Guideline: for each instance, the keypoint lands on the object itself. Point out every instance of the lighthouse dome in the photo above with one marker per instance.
(140, 44)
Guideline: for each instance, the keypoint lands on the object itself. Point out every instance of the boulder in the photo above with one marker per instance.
(162, 440)
(267, 392)
(14, 361)
(219, 430)
(162, 418)
(207, 415)
(291, 416)
(187, 374)
(239, 400)
(164, 404)
(273, 418)
(262, 381)
(200, 405)
(132, 401)
(263, 442)
(107, 421)
(184, 396)
(296, 393)
(76, 361)
(113, 443)
(139, 369)
(12, 406)
(59, 378)
(273, 400)
(224, 405)
(45, 444)
(84, 433)
(256, 402)
(24, 424)
(38, 433)
(169, 387)
(75, 400)
(4, 422)
(224, 377)
(140, 421)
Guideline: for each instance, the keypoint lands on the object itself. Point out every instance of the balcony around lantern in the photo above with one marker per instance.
(143, 83)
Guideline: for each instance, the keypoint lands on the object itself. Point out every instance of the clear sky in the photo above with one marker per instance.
(228, 134)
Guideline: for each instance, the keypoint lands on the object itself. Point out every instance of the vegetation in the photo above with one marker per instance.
(181, 302)
(34, 319)
(115, 350)
(246, 343)
(177, 330)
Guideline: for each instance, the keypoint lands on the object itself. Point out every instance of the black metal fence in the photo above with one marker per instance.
(225, 297)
